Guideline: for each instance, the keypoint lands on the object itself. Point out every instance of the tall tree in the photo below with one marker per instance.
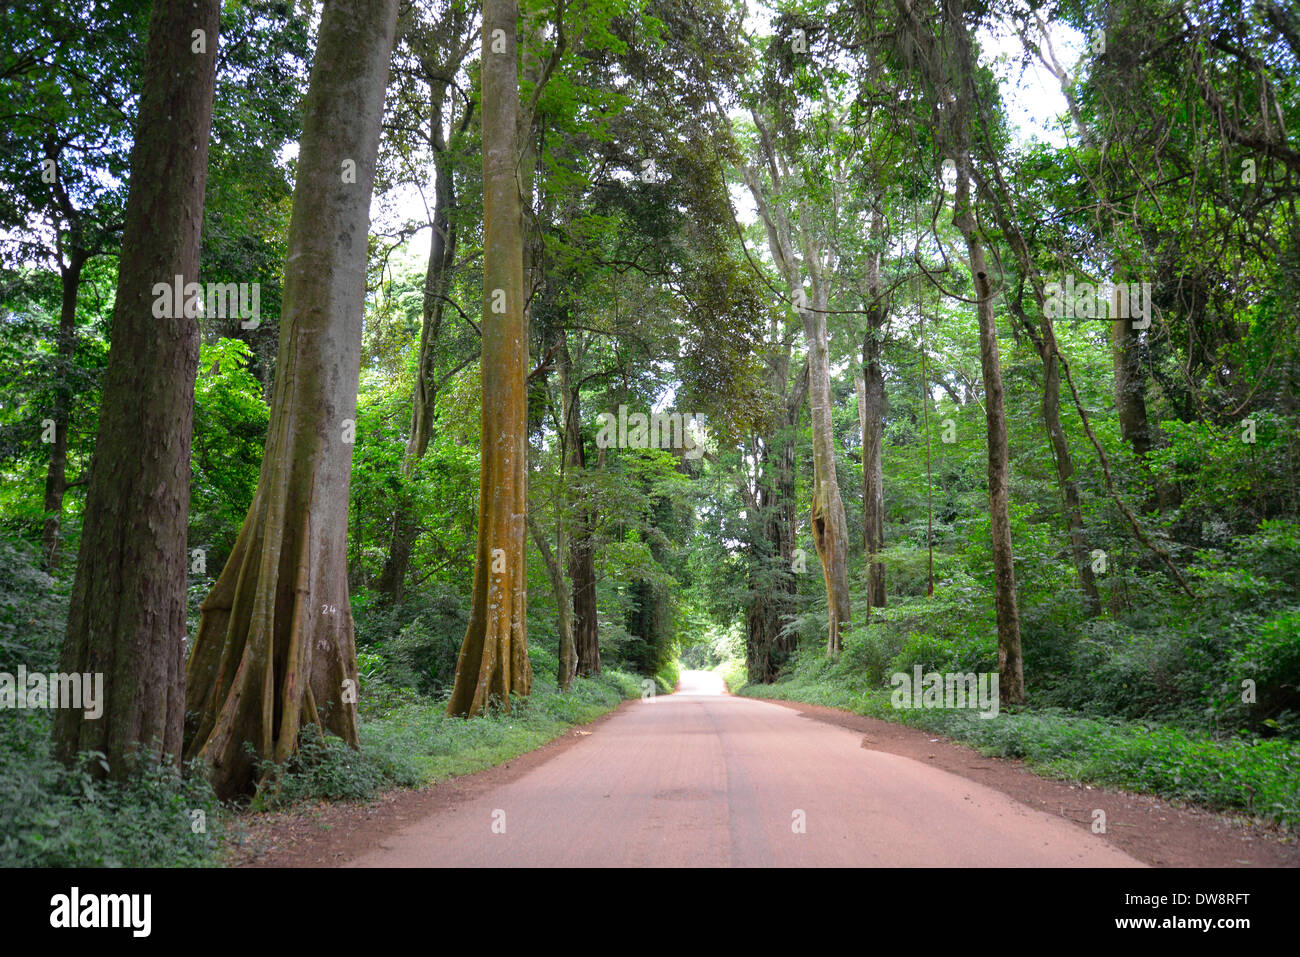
(581, 552)
(275, 647)
(871, 411)
(786, 234)
(493, 661)
(66, 100)
(127, 613)
(949, 66)
(437, 54)
(771, 503)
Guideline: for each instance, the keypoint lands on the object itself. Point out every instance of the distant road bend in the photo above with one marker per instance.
(701, 778)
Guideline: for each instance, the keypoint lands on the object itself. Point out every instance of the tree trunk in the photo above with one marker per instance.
(126, 618)
(56, 475)
(568, 666)
(1130, 387)
(766, 647)
(1010, 666)
(1044, 340)
(1072, 502)
(442, 256)
(582, 572)
(956, 117)
(582, 553)
(873, 477)
(275, 647)
(493, 660)
(871, 416)
(829, 525)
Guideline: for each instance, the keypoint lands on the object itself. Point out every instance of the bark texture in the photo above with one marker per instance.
(767, 647)
(829, 524)
(493, 662)
(127, 614)
(1130, 387)
(275, 648)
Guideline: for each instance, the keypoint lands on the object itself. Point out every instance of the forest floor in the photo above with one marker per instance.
(694, 768)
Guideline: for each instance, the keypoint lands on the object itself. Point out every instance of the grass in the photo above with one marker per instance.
(52, 816)
(408, 741)
(1253, 775)
(734, 673)
(434, 746)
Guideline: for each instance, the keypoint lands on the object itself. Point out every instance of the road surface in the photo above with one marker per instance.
(701, 778)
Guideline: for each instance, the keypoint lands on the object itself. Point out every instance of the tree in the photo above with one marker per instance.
(785, 234)
(65, 104)
(437, 55)
(947, 66)
(871, 413)
(275, 647)
(127, 612)
(493, 661)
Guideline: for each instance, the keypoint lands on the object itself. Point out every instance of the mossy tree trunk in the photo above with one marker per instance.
(493, 662)
(275, 645)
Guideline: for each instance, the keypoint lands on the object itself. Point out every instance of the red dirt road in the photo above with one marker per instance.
(701, 778)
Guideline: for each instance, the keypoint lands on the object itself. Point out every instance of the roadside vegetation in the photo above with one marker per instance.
(1189, 700)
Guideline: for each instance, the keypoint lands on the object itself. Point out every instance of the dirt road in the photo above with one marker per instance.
(701, 778)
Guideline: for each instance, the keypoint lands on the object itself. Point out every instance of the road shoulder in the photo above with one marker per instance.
(331, 834)
(1152, 830)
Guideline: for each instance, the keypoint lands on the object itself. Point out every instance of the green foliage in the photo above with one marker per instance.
(414, 644)
(734, 673)
(32, 611)
(668, 675)
(54, 816)
(325, 768)
(416, 742)
(230, 425)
